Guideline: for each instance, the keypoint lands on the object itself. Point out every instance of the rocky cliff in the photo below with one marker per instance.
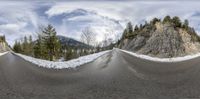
(164, 39)
(3, 45)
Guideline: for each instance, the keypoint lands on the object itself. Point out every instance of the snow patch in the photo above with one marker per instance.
(3, 53)
(61, 65)
(175, 59)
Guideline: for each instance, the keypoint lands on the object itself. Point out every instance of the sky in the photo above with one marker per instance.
(70, 18)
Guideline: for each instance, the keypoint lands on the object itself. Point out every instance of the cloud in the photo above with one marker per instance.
(101, 8)
(75, 21)
(18, 18)
(114, 15)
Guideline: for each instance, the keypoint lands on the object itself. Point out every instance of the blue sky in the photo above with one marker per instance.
(20, 18)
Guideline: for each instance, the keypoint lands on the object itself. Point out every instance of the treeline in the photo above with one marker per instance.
(47, 46)
(25, 46)
(74, 52)
(144, 29)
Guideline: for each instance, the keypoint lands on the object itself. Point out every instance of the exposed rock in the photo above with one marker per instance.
(3, 45)
(163, 40)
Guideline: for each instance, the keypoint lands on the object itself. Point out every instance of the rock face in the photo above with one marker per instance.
(163, 40)
(3, 45)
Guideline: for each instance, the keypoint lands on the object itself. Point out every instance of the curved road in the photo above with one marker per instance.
(115, 75)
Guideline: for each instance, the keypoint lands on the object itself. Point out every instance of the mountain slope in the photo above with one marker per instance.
(162, 39)
(72, 42)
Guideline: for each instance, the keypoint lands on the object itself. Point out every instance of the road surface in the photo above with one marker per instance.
(116, 75)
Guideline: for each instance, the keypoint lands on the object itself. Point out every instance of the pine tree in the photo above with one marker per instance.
(129, 28)
(97, 49)
(167, 19)
(51, 41)
(176, 21)
(38, 48)
(155, 20)
(141, 26)
(186, 24)
(25, 46)
(128, 32)
(125, 34)
(68, 54)
(136, 28)
(30, 46)
(17, 47)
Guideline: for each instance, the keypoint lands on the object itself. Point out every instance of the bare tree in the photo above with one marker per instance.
(108, 37)
(104, 42)
(113, 34)
(88, 36)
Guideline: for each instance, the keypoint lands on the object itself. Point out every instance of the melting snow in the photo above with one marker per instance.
(3, 53)
(66, 64)
(175, 59)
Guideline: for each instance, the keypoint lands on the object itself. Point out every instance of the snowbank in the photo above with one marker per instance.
(175, 59)
(3, 53)
(67, 64)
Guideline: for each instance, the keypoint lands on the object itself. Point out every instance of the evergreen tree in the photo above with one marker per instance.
(125, 34)
(69, 54)
(38, 48)
(176, 21)
(17, 47)
(186, 24)
(141, 26)
(51, 42)
(97, 49)
(155, 20)
(25, 46)
(136, 28)
(85, 52)
(167, 19)
(30, 45)
(129, 30)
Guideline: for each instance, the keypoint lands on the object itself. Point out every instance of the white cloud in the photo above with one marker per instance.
(17, 19)
(106, 8)
(134, 11)
(14, 27)
(20, 18)
(99, 24)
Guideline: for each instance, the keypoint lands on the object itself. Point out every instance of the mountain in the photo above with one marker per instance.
(3, 45)
(72, 42)
(163, 39)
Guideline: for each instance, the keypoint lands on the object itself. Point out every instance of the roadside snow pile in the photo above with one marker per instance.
(175, 59)
(66, 64)
(3, 53)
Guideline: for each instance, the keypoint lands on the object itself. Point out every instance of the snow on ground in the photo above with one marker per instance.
(3, 53)
(156, 59)
(66, 64)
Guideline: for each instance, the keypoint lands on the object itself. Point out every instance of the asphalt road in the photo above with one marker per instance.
(115, 75)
